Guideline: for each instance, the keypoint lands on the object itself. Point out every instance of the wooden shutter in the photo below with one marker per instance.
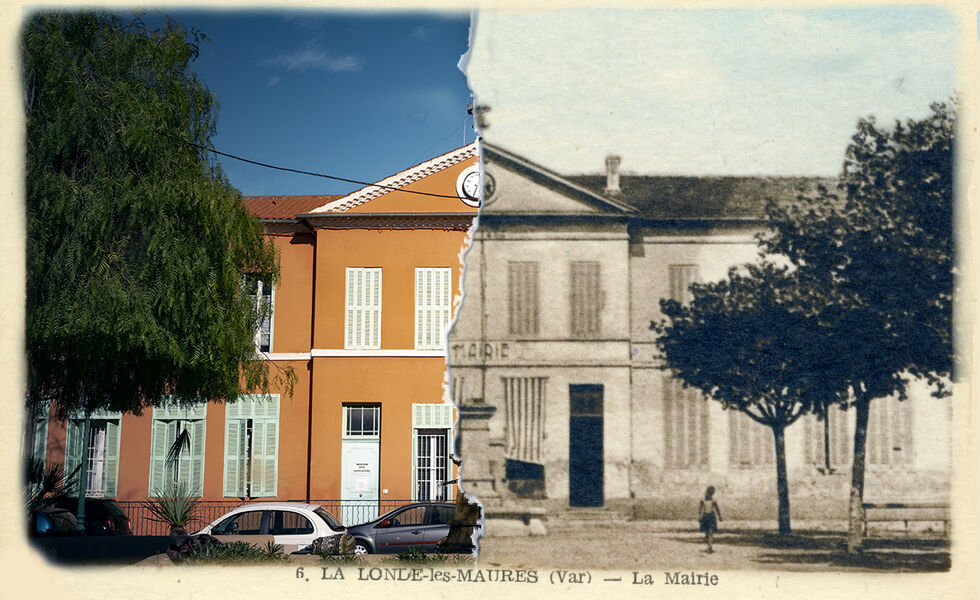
(363, 309)
(433, 303)
(39, 449)
(680, 278)
(522, 283)
(524, 405)
(74, 448)
(585, 295)
(195, 461)
(265, 442)
(161, 438)
(234, 458)
(112, 433)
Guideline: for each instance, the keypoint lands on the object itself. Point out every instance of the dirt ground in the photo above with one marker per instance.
(642, 545)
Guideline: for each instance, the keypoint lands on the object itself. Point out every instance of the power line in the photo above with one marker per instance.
(261, 164)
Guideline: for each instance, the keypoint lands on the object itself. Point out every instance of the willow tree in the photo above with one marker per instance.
(137, 245)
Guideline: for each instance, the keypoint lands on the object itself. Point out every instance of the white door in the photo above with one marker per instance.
(359, 481)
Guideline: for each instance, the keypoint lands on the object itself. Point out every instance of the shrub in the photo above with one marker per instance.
(174, 506)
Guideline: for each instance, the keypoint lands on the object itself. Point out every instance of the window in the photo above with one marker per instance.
(890, 433)
(37, 431)
(100, 451)
(362, 420)
(830, 436)
(680, 278)
(441, 515)
(524, 406)
(411, 516)
(251, 446)
(586, 299)
(244, 523)
(186, 468)
(431, 431)
(685, 427)
(433, 306)
(285, 522)
(259, 291)
(750, 444)
(522, 283)
(362, 320)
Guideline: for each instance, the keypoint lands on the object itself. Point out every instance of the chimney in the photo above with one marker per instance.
(612, 176)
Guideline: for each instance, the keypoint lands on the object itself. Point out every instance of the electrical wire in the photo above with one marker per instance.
(365, 183)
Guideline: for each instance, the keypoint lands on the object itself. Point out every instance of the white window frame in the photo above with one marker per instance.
(433, 311)
(348, 434)
(261, 282)
(358, 308)
(429, 419)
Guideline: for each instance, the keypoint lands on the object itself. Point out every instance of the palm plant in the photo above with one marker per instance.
(46, 483)
(175, 505)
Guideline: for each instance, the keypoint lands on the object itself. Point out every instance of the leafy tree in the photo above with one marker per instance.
(881, 251)
(751, 342)
(136, 242)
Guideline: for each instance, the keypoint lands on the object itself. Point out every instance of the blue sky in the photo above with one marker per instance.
(706, 92)
(356, 95)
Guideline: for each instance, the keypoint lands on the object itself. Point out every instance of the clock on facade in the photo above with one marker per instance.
(468, 186)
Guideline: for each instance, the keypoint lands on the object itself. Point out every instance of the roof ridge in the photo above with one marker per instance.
(398, 180)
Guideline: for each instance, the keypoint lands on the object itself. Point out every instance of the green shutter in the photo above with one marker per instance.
(415, 462)
(73, 453)
(40, 449)
(195, 461)
(265, 457)
(234, 458)
(160, 441)
(112, 434)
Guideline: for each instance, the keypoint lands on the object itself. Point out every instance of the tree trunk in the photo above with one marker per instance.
(855, 535)
(782, 482)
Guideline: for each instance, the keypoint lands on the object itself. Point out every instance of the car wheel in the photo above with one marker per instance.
(361, 548)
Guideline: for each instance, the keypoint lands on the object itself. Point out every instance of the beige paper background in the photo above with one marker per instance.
(24, 574)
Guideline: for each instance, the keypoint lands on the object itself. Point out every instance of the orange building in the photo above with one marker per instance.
(369, 284)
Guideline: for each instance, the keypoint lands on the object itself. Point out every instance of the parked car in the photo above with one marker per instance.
(51, 521)
(102, 515)
(417, 526)
(293, 525)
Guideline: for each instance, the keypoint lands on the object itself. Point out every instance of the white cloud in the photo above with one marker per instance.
(272, 82)
(313, 57)
(423, 32)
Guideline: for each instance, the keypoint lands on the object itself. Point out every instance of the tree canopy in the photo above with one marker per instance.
(751, 342)
(136, 242)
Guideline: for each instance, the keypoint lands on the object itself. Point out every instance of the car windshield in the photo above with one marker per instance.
(329, 518)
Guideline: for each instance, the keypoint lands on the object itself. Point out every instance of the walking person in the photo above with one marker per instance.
(709, 513)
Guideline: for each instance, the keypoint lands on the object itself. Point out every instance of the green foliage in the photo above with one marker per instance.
(136, 243)
(415, 555)
(205, 549)
(176, 506)
(47, 483)
(881, 250)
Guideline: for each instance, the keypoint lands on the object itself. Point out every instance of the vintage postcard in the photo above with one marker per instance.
(652, 300)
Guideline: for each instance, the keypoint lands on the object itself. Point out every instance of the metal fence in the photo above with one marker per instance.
(348, 512)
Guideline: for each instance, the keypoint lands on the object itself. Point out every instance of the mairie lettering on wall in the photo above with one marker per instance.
(469, 352)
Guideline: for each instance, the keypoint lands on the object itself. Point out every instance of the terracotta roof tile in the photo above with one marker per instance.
(285, 207)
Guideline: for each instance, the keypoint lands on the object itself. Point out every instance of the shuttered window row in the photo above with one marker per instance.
(362, 315)
(522, 284)
(433, 307)
(586, 299)
(252, 446)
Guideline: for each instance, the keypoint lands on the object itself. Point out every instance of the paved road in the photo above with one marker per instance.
(648, 545)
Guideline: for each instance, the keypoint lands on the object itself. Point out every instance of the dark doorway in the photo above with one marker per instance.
(585, 445)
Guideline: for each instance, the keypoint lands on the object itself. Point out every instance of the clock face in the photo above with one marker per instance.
(468, 186)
